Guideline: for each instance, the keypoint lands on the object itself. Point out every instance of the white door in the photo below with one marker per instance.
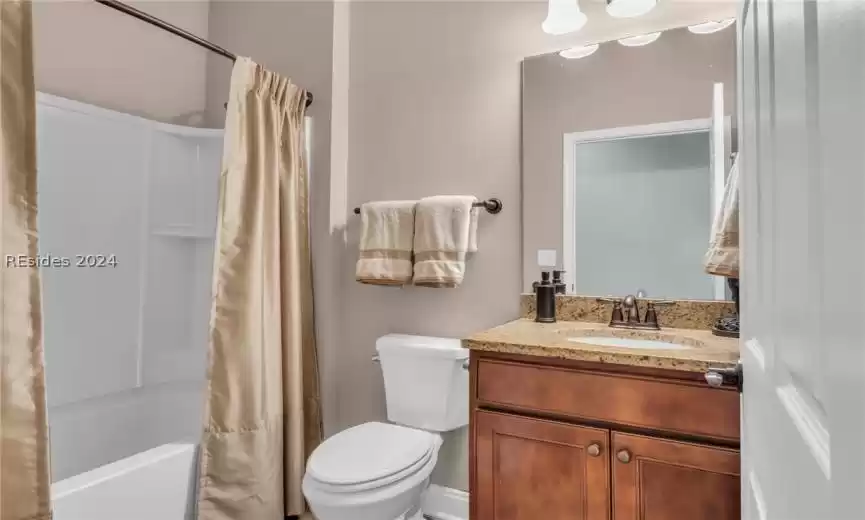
(802, 146)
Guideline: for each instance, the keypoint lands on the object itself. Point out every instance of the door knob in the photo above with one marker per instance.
(718, 377)
(594, 450)
(624, 456)
(714, 378)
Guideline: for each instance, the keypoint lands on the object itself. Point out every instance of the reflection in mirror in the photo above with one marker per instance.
(625, 154)
(641, 212)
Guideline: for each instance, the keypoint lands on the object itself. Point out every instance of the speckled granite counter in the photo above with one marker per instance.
(530, 338)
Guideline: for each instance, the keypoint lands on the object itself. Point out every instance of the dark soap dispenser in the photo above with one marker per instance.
(545, 300)
(559, 282)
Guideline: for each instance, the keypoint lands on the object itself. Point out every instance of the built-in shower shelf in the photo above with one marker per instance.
(182, 233)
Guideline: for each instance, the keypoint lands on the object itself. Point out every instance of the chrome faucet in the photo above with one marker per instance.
(626, 312)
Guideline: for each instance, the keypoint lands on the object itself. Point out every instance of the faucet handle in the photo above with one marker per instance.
(651, 320)
(616, 316)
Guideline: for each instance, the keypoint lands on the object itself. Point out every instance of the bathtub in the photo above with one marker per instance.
(156, 484)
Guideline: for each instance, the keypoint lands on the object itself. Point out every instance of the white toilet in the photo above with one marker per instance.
(379, 471)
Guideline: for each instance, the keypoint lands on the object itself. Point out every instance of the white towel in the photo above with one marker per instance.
(722, 258)
(387, 231)
(445, 232)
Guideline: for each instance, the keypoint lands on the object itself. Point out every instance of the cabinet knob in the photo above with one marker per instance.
(594, 450)
(624, 456)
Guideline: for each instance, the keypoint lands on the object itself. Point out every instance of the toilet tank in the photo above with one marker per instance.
(425, 383)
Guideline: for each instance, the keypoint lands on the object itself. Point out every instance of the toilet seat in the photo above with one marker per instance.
(370, 456)
(397, 490)
(334, 496)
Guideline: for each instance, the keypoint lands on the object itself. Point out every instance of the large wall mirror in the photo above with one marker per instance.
(625, 155)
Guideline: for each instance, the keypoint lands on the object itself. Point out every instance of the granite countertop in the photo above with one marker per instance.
(527, 337)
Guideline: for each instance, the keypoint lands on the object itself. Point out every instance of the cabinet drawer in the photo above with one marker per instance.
(684, 407)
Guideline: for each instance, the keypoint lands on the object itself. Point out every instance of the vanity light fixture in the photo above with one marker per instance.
(563, 17)
(711, 27)
(575, 53)
(629, 8)
(639, 41)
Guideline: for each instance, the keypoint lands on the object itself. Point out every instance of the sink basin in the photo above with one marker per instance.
(629, 343)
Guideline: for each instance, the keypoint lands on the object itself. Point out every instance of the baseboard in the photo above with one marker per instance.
(442, 503)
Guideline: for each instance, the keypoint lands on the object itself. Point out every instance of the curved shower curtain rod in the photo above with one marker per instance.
(183, 33)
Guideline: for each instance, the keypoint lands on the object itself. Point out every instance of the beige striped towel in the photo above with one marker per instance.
(387, 230)
(722, 258)
(445, 232)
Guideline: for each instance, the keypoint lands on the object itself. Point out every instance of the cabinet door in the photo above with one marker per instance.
(533, 469)
(658, 479)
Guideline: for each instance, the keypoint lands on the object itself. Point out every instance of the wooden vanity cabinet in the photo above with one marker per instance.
(667, 479)
(560, 440)
(531, 468)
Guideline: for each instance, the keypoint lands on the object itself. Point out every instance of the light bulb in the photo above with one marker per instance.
(563, 17)
(629, 8)
(575, 53)
(639, 41)
(711, 27)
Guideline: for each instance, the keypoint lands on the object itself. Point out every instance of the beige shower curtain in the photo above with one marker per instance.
(262, 416)
(24, 470)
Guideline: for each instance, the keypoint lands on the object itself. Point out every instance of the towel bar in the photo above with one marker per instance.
(491, 205)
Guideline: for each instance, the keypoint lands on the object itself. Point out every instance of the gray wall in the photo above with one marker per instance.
(668, 80)
(643, 215)
(434, 105)
(88, 52)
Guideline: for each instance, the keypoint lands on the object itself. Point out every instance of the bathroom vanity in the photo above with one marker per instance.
(563, 429)
(578, 420)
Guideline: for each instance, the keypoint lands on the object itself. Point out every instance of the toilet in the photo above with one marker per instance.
(379, 471)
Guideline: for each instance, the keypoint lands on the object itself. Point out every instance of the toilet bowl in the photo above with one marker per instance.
(379, 471)
(374, 471)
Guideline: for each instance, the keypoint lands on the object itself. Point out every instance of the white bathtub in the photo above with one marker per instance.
(157, 484)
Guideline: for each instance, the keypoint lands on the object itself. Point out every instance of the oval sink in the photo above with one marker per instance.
(629, 343)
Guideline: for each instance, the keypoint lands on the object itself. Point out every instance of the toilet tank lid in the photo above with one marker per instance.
(422, 345)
